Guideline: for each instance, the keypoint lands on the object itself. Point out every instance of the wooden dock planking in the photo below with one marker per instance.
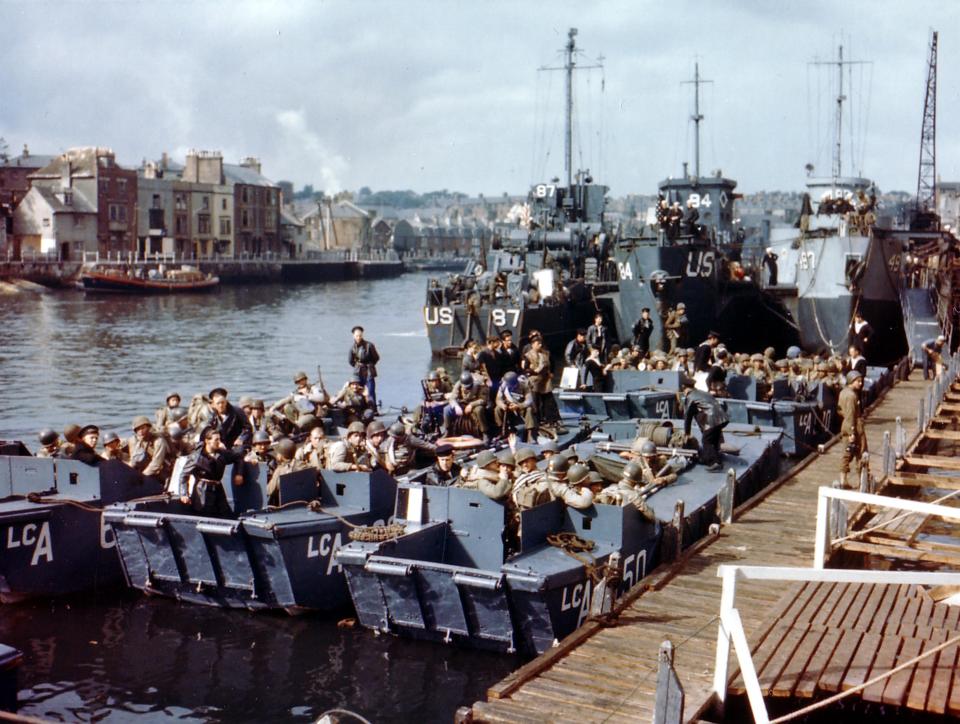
(682, 604)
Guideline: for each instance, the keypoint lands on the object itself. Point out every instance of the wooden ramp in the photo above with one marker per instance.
(824, 638)
(608, 672)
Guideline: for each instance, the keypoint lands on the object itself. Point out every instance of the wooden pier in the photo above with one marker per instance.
(607, 672)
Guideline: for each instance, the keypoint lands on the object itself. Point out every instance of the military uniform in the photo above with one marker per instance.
(530, 490)
(273, 487)
(517, 403)
(444, 478)
(560, 489)
(711, 418)
(849, 408)
(464, 396)
(266, 458)
(624, 493)
(151, 456)
(313, 455)
(342, 456)
(488, 482)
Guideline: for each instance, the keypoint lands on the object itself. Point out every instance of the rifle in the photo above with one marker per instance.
(323, 387)
(671, 451)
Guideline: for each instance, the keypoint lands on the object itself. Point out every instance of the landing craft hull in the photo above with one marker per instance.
(280, 559)
(59, 546)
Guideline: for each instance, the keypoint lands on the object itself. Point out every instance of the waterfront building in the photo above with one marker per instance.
(948, 203)
(81, 202)
(257, 203)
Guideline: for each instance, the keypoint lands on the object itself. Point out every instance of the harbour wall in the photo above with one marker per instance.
(54, 273)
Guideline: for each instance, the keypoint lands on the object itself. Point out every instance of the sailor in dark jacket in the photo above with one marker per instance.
(642, 330)
(711, 418)
(206, 464)
(445, 472)
(509, 354)
(597, 336)
(231, 423)
(363, 358)
(857, 361)
(85, 450)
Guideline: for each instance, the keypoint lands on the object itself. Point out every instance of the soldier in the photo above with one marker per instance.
(177, 441)
(350, 454)
(287, 463)
(530, 487)
(561, 489)
(352, 398)
(148, 450)
(400, 449)
(932, 352)
(207, 464)
(314, 451)
(484, 475)
(540, 375)
(548, 450)
(466, 401)
(163, 414)
(627, 491)
(429, 413)
(85, 447)
(491, 364)
(233, 426)
(71, 434)
(515, 402)
(363, 358)
(758, 369)
(257, 417)
(49, 443)
(445, 471)
(711, 419)
(657, 469)
(675, 327)
(770, 262)
(374, 442)
(852, 430)
(260, 454)
(642, 330)
(113, 448)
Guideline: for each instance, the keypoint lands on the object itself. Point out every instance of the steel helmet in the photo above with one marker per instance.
(177, 414)
(578, 473)
(558, 464)
(506, 458)
(139, 421)
(523, 454)
(485, 458)
(375, 428)
(111, 437)
(432, 376)
(853, 375)
(299, 376)
(174, 431)
(633, 472)
(261, 436)
(287, 448)
(510, 379)
(466, 379)
(356, 426)
(47, 436)
(172, 394)
(397, 430)
(648, 448)
(793, 352)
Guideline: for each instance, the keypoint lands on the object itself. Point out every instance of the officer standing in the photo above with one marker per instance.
(207, 464)
(711, 418)
(852, 430)
(363, 358)
(770, 262)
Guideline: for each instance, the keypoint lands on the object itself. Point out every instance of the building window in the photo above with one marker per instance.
(224, 226)
(243, 195)
(46, 222)
(181, 202)
(203, 224)
(104, 186)
(205, 203)
(223, 204)
(157, 204)
(271, 219)
(180, 224)
(121, 186)
(244, 219)
(118, 213)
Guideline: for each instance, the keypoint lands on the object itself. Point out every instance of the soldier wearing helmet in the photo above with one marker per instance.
(260, 454)
(466, 401)
(149, 450)
(49, 443)
(486, 476)
(376, 437)
(401, 447)
(287, 463)
(352, 398)
(349, 453)
(314, 451)
(515, 403)
(429, 414)
(851, 429)
(530, 488)
(628, 490)
(561, 487)
(172, 401)
(114, 449)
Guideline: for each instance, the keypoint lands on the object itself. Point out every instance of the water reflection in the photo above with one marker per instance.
(152, 659)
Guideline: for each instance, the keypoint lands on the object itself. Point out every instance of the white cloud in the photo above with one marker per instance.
(302, 153)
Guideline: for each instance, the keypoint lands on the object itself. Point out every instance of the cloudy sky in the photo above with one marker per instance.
(438, 94)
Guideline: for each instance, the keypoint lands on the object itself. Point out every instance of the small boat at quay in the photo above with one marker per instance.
(157, 280)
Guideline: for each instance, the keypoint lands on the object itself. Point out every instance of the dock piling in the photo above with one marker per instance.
(668, 708)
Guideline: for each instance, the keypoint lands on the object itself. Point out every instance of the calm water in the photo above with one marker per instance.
(67, 358)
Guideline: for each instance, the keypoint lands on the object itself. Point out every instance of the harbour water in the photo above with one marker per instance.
(68, 358)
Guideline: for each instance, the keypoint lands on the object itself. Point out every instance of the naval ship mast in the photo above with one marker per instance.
(696, 117)
(838, 142)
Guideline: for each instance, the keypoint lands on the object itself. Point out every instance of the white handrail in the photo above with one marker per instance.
(731, 627)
